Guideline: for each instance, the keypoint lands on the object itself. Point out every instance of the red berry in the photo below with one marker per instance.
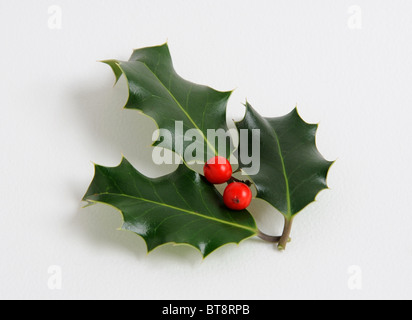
(218, 170)
(237, 196)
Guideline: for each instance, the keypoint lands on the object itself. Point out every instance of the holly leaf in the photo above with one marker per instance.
(179, 208)
(160, 93)
(292, 170)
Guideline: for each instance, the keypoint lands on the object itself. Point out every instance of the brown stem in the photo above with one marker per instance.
(286, 234)
(268, 238)
(247, 182)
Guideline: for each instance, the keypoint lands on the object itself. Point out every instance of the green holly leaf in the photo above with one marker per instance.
(160, 93)
(179, 208)
(292, 170)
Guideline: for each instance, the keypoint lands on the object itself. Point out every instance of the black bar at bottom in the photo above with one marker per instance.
(205, 309)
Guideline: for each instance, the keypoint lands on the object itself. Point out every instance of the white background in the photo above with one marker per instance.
(59, 112)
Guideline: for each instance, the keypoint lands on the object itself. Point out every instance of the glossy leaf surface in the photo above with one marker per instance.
(179, 208)
(292, 170)
(175, 104)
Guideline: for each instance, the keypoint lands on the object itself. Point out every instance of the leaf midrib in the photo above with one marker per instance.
(180, 209)
(183, 109)
(282, 160)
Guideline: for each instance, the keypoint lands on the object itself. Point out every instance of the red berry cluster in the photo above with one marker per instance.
(237, 195)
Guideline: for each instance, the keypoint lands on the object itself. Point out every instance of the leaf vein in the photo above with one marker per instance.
(288, 199)
(184, 210)
(183, 110)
